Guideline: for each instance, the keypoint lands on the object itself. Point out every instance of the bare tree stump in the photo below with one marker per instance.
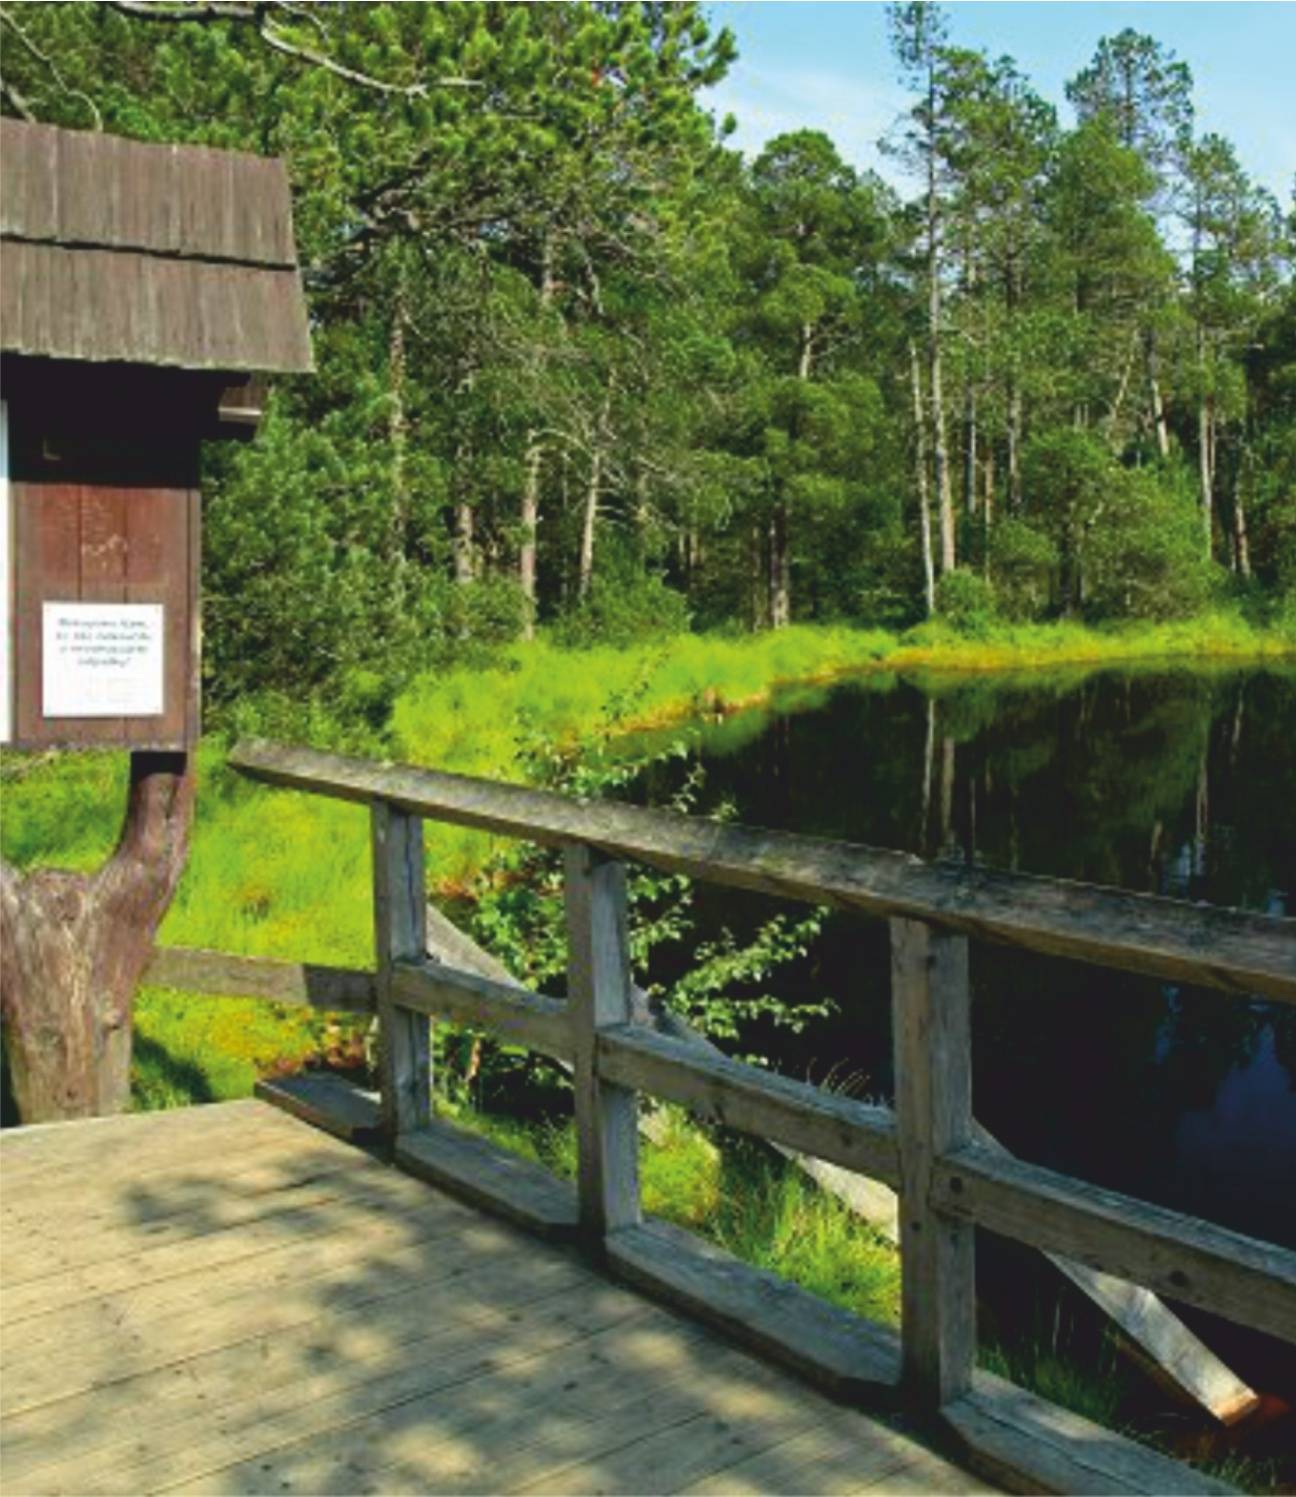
(73, 946)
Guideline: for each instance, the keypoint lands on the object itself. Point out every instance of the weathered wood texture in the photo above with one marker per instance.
(744, 1097)
(931, 1024)
(1178, 1256)
(599, 997)
(515, 1015)
(1230, 949)
(400, 904)
(151, 254)
(487, 1176)
(102, 528)
(1027, 1445)
(1178, 1357)
(848, 1357)
(72, 947)
(326, 1101)
(300, 984)
(338, 1326)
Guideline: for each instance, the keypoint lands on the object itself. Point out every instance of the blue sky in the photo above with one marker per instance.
(828, 66)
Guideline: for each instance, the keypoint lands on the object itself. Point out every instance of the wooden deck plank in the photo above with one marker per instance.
(47, 1145)
(277, 1262)
(52, 1194)
(148, 1416)
(127, 1349)
(281, 1312)
(158, 1197)
(309, 1411)
(255, 1193)
(835, 1456)
(358, 1199)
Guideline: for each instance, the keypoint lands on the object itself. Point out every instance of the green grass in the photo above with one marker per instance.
(739, 1196)
(194, 1049)
(275, 873)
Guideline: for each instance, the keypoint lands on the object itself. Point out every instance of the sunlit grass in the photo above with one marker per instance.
(739, 1196)
(193, 1049)
(276, 873)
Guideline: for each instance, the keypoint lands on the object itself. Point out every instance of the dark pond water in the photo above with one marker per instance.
(1174, 782)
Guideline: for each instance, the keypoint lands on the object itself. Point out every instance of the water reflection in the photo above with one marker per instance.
(1173, 782)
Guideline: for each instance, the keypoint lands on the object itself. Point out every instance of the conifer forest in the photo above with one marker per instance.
(582, 366)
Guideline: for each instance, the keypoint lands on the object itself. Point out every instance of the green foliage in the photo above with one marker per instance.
(1094, 1392)
(966, 601)
(735, 1193)
(190, 1049)
(1146, 560)
(1023, 563)
(624, 608)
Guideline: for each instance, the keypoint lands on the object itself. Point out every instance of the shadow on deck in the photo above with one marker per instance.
(227, 1300)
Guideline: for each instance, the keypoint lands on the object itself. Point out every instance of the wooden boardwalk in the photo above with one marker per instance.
(227, 1300)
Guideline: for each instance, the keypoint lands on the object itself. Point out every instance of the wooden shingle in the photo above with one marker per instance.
(115, 250)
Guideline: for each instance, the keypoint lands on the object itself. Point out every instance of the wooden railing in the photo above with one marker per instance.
(949, 1183)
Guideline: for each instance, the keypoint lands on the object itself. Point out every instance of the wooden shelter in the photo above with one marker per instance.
(145, 291)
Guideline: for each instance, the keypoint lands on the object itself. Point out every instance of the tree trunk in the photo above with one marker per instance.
(1014, 449)
(969, 407)
(758, 573)
(780, 568)
(530, 513)
(588, 521)
(465, 561)
(940, 446)
(398, 440)
(924, 500)
(463, 545)
(593, 488)
(530, 517)
(1155, 404)
(780, 546)
(1205, 476)
(970, 450)
(940, 443)
(1241, 546)
(74, 946)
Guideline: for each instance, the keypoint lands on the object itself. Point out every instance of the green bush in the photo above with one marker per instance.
(1145, 555)
(1023, 562)
(623, 610)
(966, 601)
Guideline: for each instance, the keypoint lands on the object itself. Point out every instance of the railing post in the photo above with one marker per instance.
(933, 1084)
(400, 932)
(599, 996)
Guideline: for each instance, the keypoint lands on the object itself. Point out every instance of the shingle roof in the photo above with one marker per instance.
(114, 249)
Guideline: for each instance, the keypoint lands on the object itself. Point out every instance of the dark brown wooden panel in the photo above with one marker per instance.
(107, 543)
(103, 580)
(47, 553)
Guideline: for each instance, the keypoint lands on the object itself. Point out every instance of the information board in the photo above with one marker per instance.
(102, 659)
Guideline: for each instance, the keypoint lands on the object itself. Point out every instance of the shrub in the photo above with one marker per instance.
(624, 609)
(1023, 562)
(1145, 558)
(966, 601)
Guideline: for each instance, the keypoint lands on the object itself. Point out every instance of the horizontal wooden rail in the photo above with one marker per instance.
(1180, 1256)
(777, 1108)
(949, 1181)
(517, 1016)
(1235, 950)
(220, 975)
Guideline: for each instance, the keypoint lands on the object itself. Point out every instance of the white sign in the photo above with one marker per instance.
(101, 660)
